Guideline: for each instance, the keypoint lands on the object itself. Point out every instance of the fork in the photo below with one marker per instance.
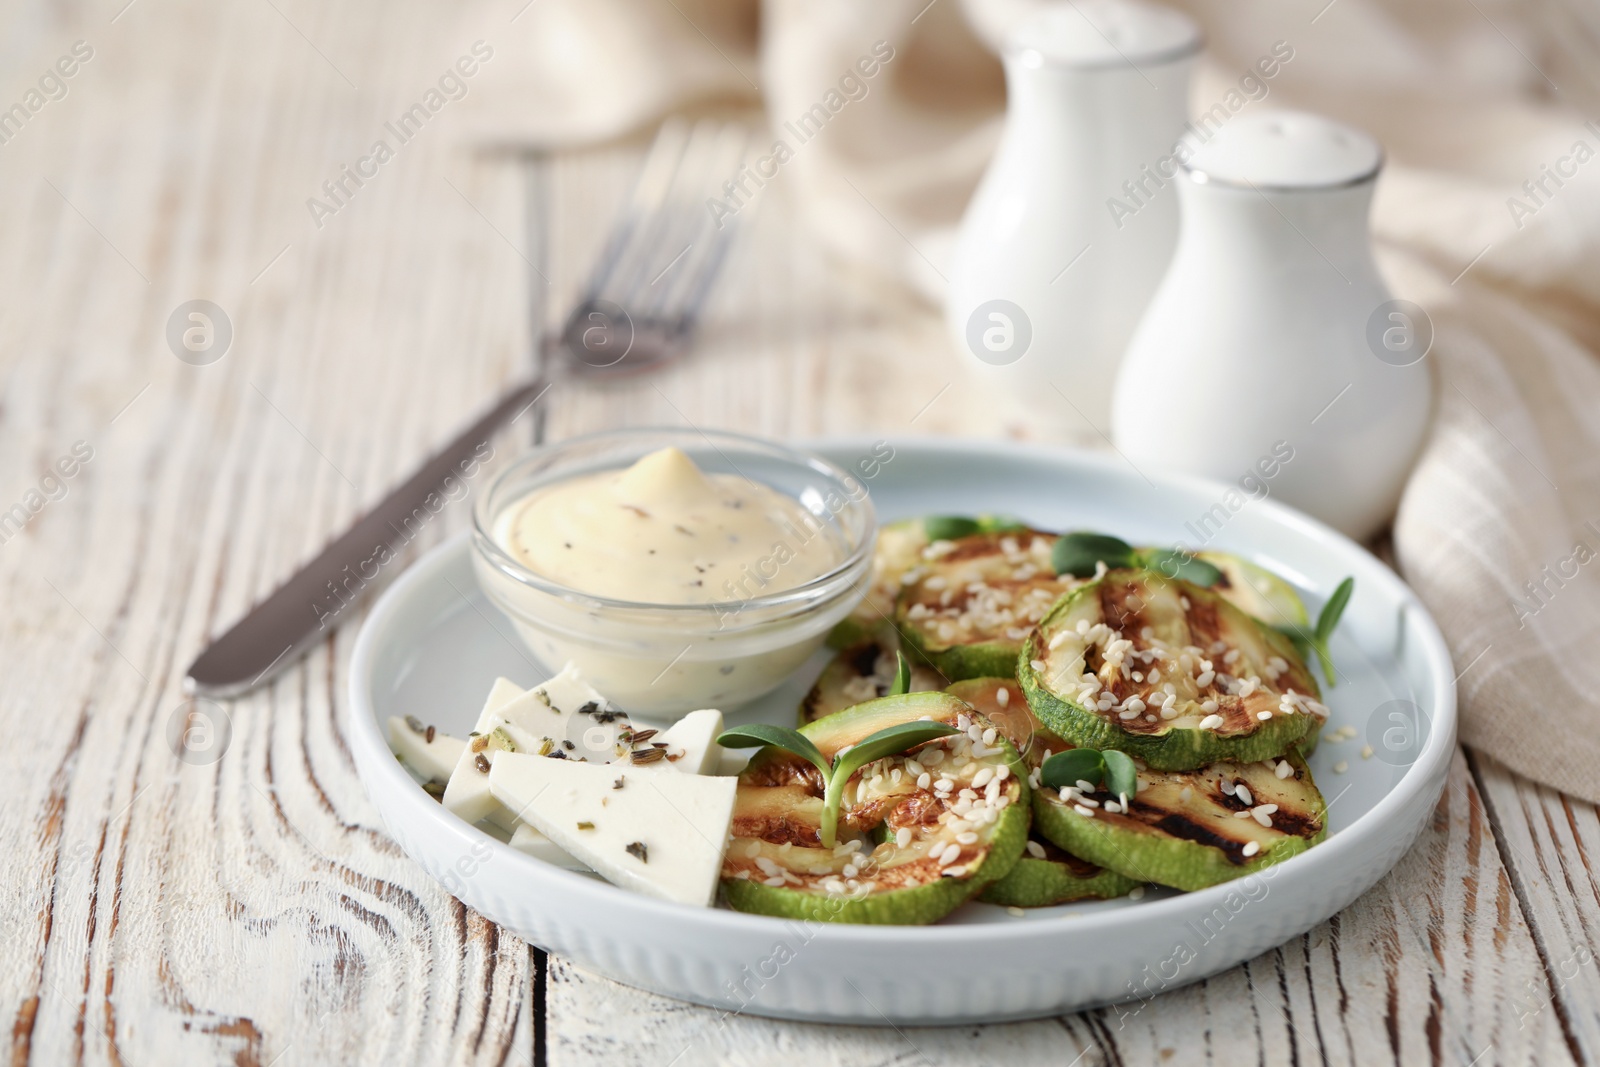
(638, 309)
(643, 299)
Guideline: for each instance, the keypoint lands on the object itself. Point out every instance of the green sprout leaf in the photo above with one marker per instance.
(949, 527)
(885, 742)
(1122, 778)
(1327, 622)
(1176, 563)
(1072, 766)
(902, 676)
(1077, 553)
(1115, 769)
(1000, 524)
(759, 733)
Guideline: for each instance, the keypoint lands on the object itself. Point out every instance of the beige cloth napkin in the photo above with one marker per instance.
(1499, 530)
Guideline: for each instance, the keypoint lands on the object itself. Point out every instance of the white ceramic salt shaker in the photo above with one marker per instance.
(1074, 222)
(1272, 355)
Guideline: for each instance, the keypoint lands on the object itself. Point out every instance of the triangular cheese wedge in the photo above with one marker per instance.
(434, 760)
(657, 834)
(548, 711)
(692, 743)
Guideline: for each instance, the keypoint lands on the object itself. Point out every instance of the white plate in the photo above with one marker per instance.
(432, 645)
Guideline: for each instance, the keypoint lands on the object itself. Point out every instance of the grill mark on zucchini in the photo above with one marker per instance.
(864, 659)
(1181, 826)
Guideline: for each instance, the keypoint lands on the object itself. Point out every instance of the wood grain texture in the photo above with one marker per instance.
(244, 905)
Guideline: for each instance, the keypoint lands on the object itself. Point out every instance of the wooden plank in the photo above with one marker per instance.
(1550, 843)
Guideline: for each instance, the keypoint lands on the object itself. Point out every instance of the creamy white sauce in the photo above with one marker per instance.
(664, 532)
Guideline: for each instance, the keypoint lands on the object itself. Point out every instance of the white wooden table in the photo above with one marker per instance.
(251, 909)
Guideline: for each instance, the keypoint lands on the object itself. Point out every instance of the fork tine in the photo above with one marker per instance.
(700, 272)
(644, 202)
(711, 158)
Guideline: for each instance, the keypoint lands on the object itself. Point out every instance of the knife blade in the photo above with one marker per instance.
(277, 631)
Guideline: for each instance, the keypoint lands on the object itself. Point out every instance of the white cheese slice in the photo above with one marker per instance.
(467, 793)
(693, 741)
(526, 839)
(432, 760)
(676, 823)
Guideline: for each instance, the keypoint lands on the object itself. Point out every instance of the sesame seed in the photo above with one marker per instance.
(1036, 850)
(968, 838)
(1037, 665)
(1136, 893)
(1211, 722)
(1252, 847)
(1016, 912)
(1366, 751)
(1241, 815)
(1263, 716)
(775, 881)
(1087, 813)
(1340, 767)
(902, 836)
(1002, 696)
(1284, 769)
(1242, 791)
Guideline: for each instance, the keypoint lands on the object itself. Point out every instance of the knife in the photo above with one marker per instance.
(300, 613)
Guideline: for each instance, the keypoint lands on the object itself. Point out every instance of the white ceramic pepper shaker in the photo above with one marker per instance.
(1073, 224)
(1272, 343)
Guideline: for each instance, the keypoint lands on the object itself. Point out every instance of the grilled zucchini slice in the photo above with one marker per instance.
(1183, 828)
(898, 550)
(1190, 829)
(862, 672)
(970, 604)
(1168, 672)
(908, 853)
(1047, 874)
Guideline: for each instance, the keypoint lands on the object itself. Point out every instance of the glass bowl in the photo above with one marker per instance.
(664, 660)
